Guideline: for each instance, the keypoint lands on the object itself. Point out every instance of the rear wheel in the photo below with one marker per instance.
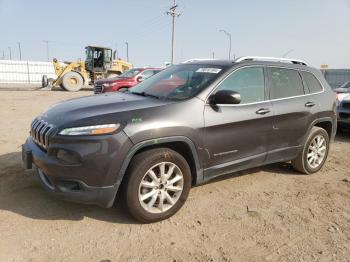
(314, 153)
(72, 81)
(157, 185)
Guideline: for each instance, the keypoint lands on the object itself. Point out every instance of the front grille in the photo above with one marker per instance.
(40, 132)
(346, 105)
(97, 88)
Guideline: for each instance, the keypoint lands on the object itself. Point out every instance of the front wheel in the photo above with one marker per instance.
(158, 183)
(314, 153)
(72, 81)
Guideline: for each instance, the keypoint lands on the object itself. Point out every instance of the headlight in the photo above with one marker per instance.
(109, 84)
(89, 130)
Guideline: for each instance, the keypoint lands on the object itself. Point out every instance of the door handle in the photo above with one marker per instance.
(263, 111)
(309, 104)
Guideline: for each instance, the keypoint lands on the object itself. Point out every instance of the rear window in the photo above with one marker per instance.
(312, 83)
(285, 83)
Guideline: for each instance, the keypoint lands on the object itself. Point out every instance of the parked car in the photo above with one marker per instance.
(344, 111)
(342, 91)
(184, 126)
(128, 79)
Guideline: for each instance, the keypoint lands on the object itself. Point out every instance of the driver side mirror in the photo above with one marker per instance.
(225, 97)
(140, 79)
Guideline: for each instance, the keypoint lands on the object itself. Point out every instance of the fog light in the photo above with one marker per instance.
(68, 157)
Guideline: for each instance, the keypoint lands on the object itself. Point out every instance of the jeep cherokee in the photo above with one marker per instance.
(184, 126)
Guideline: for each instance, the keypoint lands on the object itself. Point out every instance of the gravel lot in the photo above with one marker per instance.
(264, 214)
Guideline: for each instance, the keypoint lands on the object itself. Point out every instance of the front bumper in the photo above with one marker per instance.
(92, 179)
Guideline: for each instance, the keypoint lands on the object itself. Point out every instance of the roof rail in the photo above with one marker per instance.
(197, 60)
(277, 59)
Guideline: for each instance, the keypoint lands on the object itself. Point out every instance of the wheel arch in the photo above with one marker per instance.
(180, 144)
(326, 123)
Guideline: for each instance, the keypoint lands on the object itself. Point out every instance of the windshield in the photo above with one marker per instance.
(130, 73)
(179, 82)
(345, 85)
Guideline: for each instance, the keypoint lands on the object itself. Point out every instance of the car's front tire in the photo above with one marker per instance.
(315, 151)
(157, 185)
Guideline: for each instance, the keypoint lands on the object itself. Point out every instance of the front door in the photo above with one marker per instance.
(236, 135)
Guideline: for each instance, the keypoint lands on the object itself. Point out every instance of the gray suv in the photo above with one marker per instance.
(186, 125)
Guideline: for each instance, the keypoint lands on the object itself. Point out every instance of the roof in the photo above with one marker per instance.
(97, 46)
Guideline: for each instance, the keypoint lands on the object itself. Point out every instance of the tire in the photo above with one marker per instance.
(150, 210)
(301, 163)
(44, 81)
(72, 81)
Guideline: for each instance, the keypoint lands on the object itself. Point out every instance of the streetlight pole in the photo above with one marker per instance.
(20, 51)
(127, 51)
(288, 52)
(10, 53)
(230, 41)
(47, 50)
(173, 14)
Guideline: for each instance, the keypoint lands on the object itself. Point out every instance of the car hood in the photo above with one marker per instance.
(97, 109)
(346, 98)
(115, 80)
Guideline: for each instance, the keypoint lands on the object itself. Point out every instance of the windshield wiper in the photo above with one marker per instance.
(145, 94)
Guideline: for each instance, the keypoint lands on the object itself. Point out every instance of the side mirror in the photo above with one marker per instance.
(225, 97)
(140, 79)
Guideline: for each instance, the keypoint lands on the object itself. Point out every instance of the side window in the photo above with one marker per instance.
(312, 83)
(147, 73)
(285, 83)
(248, 82)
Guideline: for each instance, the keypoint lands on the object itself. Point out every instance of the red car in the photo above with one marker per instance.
(128, 79)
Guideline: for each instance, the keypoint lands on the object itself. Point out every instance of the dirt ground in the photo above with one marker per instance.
(264, 214)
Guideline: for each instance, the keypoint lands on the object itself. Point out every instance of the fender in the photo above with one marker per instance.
(160, 141)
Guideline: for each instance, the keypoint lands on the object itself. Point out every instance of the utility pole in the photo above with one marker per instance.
(3, 54)
(173, 14)
(47, 50)
(20, 51)
(116, 51)
(127, 51)
(213, 54)
(10, 53)
(230, 41)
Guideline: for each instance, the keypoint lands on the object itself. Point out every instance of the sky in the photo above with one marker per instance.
(317, 31)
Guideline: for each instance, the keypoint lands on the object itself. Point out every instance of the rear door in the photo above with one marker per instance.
(291, 113)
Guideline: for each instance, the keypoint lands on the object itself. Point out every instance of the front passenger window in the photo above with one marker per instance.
(248, 82)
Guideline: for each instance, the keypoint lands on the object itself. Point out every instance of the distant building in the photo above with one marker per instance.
(336, 77)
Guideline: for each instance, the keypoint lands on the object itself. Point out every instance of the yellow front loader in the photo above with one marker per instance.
(99, 64)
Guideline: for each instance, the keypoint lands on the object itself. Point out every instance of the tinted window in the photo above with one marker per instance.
(249, 82)
(285, 83)
(312, 83)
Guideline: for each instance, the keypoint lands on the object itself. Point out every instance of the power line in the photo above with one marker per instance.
(173, 14)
